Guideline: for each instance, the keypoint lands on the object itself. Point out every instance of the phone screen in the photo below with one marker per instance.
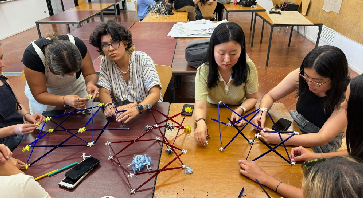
(281, 125)
(86, 165)
(53, 113)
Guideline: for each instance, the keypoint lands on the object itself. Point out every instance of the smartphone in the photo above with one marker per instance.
(85, 166)
(72, 183)
(281, 125)
(53, 113)
(186, 113)
(77, 173)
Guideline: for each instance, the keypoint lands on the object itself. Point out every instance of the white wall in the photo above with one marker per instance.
(352, 49)
(20, 15)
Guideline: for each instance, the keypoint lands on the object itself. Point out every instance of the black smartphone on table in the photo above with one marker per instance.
(185, 112)
(53, 113)
(281, 125)
(77, 173)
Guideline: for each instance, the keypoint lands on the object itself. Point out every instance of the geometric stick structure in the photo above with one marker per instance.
(171, 149)
(257, 135)
(74, 133)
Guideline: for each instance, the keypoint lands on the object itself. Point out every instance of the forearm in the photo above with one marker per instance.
(199, 113)
(249, 103)
(266, 102)
(152, 99)
(105, 97)
(92, 78)
(49, 99)
(6, 131)
(23, 111)
(305, 140)
(283, 189)
(332, 154)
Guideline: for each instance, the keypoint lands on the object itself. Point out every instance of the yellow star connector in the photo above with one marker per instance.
(47, 119)
(81, 130)
(38, 123)
(26, 148)
(89, 96)
(101, 104)
(188, 109)
(50, 130)
(26, 166)
(187, 129)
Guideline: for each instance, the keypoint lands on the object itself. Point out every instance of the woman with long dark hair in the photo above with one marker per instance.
(226, 76)
(351, 107)
(320, 82)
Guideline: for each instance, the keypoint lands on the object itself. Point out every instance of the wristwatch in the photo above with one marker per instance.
(140, 108)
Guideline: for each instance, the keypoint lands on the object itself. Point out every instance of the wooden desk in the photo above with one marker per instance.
(176, 17)
(238, 8)
(86, 30)
(264, 16)
(68, 17)
(151, 30)
(216, 173)
(107, 179)
(96, 6)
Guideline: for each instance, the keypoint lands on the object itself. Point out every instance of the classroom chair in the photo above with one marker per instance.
(207, 10)
(165, 73)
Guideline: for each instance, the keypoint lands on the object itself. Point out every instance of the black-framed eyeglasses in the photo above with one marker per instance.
(307, 79)
(106, 46)
(308, 165)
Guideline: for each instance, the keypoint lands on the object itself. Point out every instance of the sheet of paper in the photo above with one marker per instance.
(336, 4)
(327, 5)
(289, 18)
(200, 28)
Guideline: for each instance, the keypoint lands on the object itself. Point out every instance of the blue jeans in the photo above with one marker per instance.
(13, 141)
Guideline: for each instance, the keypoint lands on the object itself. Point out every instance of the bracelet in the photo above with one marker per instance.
(108, 104)
(278, 186)
(197, 120)
(24, 116)
(244, 109)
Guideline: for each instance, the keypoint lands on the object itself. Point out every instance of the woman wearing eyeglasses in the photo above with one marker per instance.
(129, 75)
(352, 108)
(58, 71)
(320, 84)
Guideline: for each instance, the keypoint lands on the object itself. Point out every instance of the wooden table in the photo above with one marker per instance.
(151, 30)
(107, 179)
(216, 173)
(86, 30)
(96, 6)
(238, 8)
(176, 17)
(264, 16)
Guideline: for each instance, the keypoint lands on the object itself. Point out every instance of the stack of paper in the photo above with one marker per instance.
(200, 28)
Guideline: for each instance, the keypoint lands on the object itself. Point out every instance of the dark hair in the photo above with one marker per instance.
(329, 62)
(223, 33)
(117, 33)
(354, 137)
(62, 56)
(337, 177)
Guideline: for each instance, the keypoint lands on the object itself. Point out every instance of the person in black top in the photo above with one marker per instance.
(321, 82)
(184, 6)
(13, 130)
(59, 71)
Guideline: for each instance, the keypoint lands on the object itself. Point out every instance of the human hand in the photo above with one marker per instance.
(5, 153)
(109, 111)
(19, 164)
(92, 89)
(34, 118)
(270, 138)
(252, 170)
(201, 132)
(259, 120)
(300, 153)
(22, 129)
(235, 117)
(127, 115)
(75, 101)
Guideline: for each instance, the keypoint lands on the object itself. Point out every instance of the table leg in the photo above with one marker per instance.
(178, 81)
(317, 40)
(79, 25)
(69, 29)
(127, 17)
(292, 28)
(253, 32)
(263, 27)
(101, 16)
(171, 92)
(226, 14)
(115, 12)
(251, 22)
(269, 44)
(40, 35)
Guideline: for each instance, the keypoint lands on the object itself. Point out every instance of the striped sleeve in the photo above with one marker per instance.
(201, 88)
(252, 79)
(105, 78)
(151, 76)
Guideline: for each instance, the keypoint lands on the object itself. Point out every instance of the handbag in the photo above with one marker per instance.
(196, 52)
(248, 3)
